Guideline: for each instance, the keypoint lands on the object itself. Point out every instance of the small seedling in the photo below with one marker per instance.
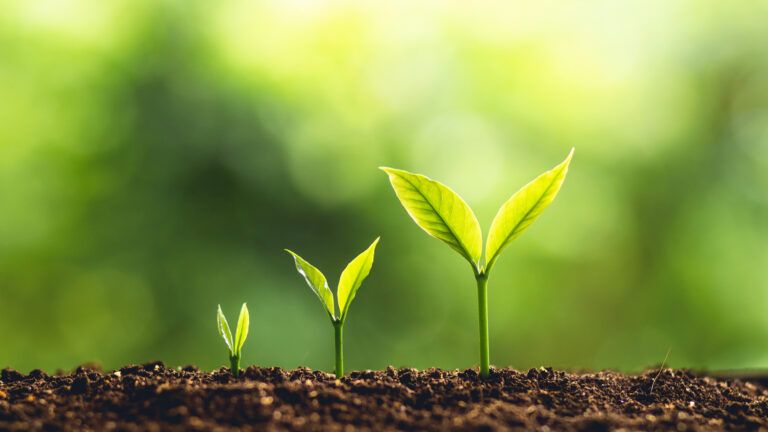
(351, 279)
(235, 346)
(442, 213)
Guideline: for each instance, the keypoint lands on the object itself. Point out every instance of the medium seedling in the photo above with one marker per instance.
(442, 213)
(351, 279)
(235, 346)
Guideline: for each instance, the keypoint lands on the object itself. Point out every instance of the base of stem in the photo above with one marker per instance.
(482, 309)
(234, 366)
(339, 339)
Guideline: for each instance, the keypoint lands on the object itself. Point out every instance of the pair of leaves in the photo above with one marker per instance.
(351, 279)
(441, 212)
(241, 332)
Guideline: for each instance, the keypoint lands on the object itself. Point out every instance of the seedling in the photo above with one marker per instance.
(351, 278)
(235, 346)
(442, 213)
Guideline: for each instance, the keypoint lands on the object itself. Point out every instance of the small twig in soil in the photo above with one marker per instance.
(661, 369)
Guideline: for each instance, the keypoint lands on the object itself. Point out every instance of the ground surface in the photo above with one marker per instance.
(152, 397)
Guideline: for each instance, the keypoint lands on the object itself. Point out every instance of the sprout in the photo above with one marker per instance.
(351, 279)
(442, 213)
(235, 346)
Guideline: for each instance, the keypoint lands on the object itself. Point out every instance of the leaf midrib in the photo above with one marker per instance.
(511, 232)
(358, 282)
(461, 243)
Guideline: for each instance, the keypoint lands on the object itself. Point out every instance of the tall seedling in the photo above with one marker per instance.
(442, 213)
(351, 279)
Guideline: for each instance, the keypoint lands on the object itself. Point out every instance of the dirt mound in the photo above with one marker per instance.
(153, 397)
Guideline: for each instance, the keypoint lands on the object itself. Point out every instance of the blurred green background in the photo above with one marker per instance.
(157, 156)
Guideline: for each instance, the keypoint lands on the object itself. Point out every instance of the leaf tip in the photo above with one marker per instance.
(565, 164)
(392, 172)
(373, 245)
(389, 171)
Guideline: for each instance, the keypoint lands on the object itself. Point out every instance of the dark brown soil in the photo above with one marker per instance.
(154, 398)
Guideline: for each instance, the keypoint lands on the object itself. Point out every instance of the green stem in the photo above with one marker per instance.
(338, 329)
(482, 308)
(234, 365)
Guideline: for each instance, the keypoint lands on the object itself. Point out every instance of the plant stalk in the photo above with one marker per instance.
(338, 330)
(234, 365)
(482, 308)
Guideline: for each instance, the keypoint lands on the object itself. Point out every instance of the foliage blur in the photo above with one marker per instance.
(157, 156)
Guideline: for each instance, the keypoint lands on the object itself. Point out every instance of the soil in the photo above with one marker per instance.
(152, 397)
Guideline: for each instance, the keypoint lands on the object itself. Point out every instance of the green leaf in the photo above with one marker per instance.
(351, 278)
(317, 282)
(243, 322)
(439, 211)
(523, 208)
(224, 329)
